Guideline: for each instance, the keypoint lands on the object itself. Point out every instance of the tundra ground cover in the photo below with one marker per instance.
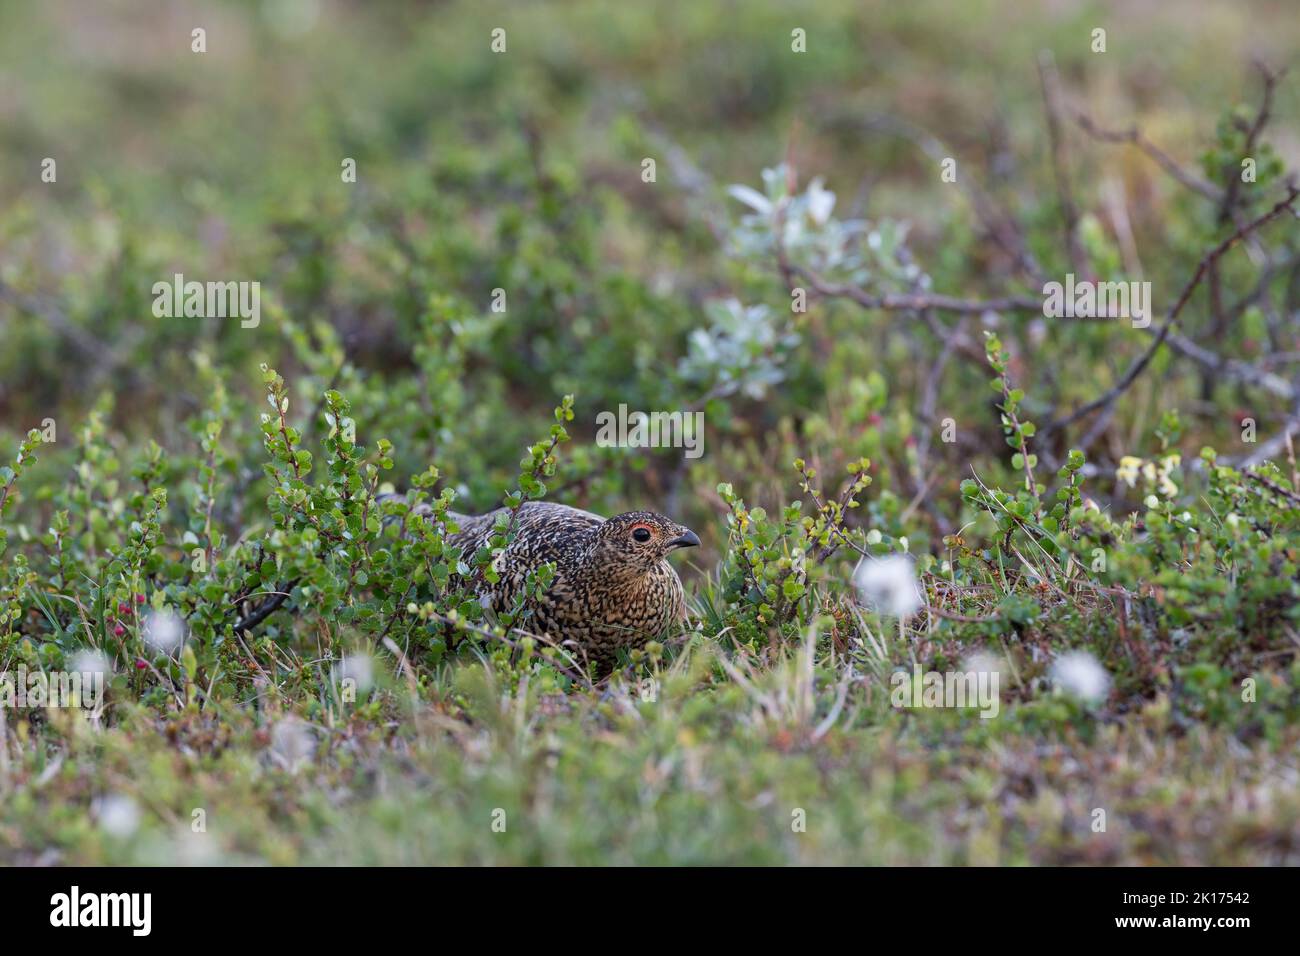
(1100, 511)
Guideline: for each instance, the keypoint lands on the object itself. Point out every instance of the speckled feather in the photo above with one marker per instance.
(613, 588)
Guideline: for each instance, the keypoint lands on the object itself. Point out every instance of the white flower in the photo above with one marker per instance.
(1078, 673)
(1127, 471)
(118, 814)
(163, 630)
(821, 202)
(888, 585)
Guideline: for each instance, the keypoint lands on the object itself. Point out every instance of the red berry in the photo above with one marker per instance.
(139, 599)
(140, 664)
(123, 607)
(118, 630)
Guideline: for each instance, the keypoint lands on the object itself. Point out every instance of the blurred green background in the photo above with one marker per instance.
(522, 171)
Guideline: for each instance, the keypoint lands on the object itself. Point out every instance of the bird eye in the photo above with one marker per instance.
(641, 534)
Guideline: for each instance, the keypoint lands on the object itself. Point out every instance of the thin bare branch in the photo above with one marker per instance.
(1140, 364)
(1270, 80)
(1050, 81)
(1134, 136)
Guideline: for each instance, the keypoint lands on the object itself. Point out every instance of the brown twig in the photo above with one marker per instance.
(1229, 203)
(999, 222)
(1050, 81)
(1140, 364)
(911, 301)
(266, 608)
(1134, 136)
(1274, 487)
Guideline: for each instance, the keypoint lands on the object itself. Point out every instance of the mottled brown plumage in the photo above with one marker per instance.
(613, 588)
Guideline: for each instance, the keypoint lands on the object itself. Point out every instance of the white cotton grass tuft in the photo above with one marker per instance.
(292, 743)
(888, 585)
(984, 662)
(92, 661)
(117, 814)
(163, 630)
(1079, 674)
(358, 668)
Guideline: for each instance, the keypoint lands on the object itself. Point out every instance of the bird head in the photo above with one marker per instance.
(640, 539)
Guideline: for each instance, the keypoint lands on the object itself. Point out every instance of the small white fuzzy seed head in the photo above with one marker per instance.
(163, 630)
(356, 667)
(1079, 674)
(117, 814)
(983, 662)
(91, 661)
(888, 585)
(292, 743)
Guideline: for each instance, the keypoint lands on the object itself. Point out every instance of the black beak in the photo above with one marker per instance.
(688, 540)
